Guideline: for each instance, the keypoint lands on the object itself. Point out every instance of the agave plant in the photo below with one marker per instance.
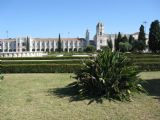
(111, 75)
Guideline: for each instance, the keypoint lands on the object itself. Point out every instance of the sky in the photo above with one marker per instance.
(71, 18)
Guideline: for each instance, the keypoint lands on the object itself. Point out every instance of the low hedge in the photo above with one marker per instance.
(59, 68)
(144, 56)
(147, 59)
(42, 62)
(139, 63)
(45, 58)
(42, 68)
(149, 67)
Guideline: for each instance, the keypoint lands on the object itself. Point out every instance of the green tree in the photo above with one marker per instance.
(90, 48)
(154, 37)
(124, 39)
(141, 39)
(27, 44)
(59, 49)
(117, 41)
(125, 46)
(131, 39)
(135, 46)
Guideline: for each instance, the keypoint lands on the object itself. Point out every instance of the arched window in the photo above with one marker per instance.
(70, 49)
(75, 49)
(42, 49)
(23, 49)
(65, 49)
(47, 50)
(52, 49)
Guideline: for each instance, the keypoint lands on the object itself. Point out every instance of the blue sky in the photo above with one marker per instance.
(71, 18)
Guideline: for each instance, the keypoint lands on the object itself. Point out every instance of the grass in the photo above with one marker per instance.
(47, 97)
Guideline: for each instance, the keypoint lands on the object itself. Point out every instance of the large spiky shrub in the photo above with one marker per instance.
(111, 75)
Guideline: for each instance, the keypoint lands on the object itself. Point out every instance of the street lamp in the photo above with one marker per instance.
(145, 22)
(7, 33)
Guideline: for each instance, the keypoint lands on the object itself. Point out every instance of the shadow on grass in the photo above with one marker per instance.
(71, 91)
(153, 88)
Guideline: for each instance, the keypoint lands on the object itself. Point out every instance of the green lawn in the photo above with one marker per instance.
(47, 97)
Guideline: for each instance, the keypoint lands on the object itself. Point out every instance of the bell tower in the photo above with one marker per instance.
(100, 29)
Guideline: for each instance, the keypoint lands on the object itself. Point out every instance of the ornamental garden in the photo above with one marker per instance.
(91, 84)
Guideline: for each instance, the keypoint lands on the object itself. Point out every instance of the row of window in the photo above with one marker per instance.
(43, 43)
(47, 50)
(66, 44)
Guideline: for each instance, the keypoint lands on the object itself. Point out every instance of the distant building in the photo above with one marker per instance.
(101, 38)
(135, 35)
(27, 46)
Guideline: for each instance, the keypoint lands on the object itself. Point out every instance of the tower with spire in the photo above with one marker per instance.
(87, 37)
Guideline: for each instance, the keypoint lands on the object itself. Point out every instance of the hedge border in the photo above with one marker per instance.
(43, 68)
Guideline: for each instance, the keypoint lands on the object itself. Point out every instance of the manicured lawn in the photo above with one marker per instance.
(47, 97)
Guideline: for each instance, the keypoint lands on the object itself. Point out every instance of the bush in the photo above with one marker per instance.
(111, 75)
(90, 48)
(40, 68)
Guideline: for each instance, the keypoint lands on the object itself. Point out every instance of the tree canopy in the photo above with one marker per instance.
(117, 41)
(154, 37)
(141, 39)
(59, 49)
(90, 48)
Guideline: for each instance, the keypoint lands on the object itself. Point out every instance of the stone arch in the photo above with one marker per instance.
(47, 50)
(80, 50)
(52, 49)
(75, 49)
(70, 49)
(42, 49)
(65, 49)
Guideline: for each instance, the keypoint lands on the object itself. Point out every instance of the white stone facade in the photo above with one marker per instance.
(27, 46)
(101, 38)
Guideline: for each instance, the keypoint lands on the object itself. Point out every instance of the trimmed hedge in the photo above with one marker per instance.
(42, 62)
(145, 62)
(59, 68)
(149, 67)
(144, 56)
(44, 58)
(42, 68)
